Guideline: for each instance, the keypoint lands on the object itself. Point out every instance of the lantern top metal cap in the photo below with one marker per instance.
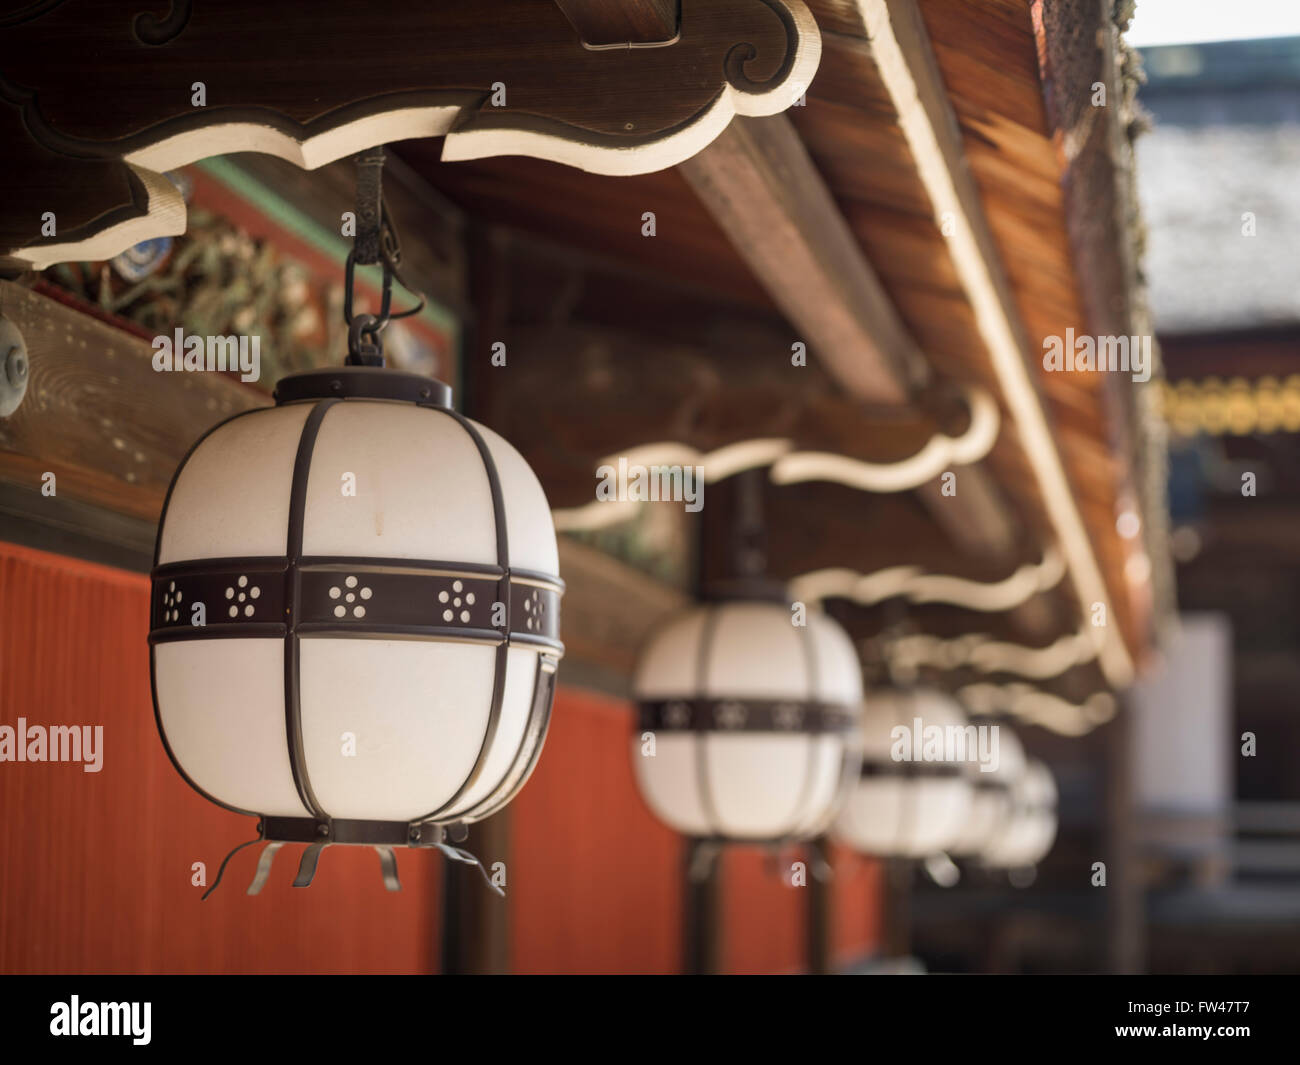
(746, 590)
(362, 382)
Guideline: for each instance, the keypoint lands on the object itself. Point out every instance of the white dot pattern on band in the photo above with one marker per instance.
(731, 715)
(788, 716)
(350, 597)
(171, 600)
(241, 592)
(534, 610)
(339, 596)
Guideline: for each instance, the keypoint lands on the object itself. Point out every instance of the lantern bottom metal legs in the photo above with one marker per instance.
(307, 867)
(383, 836)
(221, 871)
(388, 866)
(263, 867)
(311, 859)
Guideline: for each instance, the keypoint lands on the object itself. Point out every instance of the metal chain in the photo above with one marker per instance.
(375, 242)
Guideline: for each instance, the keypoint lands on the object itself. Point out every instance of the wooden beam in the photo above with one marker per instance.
(97, 415)
(68, 527)
(581, 393)
(1255, 353)
(625, 23)
(1126, 948)
(982, 524)
(762, 188)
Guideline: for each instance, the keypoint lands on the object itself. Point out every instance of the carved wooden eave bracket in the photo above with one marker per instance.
(97, 101)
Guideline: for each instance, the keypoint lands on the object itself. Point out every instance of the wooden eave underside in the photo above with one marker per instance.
(624, 296)
(618, 339)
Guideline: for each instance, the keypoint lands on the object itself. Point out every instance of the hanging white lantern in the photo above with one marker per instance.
(906, 803)
(752, 722)
(990, 805)
(1030, 827)
(355, 623)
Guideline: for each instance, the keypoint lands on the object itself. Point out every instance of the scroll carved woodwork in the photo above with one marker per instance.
(91, 142)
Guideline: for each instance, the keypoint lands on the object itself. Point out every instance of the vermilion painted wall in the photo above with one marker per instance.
(595, 876)
(858, 905)
(596, 880)
(95, 869)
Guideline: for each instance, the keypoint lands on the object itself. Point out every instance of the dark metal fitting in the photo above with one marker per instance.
(365, 345)
(15, 369)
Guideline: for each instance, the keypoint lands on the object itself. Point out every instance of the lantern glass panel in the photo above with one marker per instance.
(232, 496)
(521, 677)
(418, 711)
(528, 517)
(669, 782)
(421, 490)
(221, 705)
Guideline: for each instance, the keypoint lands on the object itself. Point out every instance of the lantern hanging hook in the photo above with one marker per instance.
(750, 530)
(375, 243)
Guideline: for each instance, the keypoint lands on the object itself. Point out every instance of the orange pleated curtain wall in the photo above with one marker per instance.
(96, 869)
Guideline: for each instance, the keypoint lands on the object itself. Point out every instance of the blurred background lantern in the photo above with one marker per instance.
(1030, 827)
(991, 803)
(747, 722)
(909, 807)
(355, 615)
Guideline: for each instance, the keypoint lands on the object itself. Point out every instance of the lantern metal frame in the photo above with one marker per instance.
(297, 596)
